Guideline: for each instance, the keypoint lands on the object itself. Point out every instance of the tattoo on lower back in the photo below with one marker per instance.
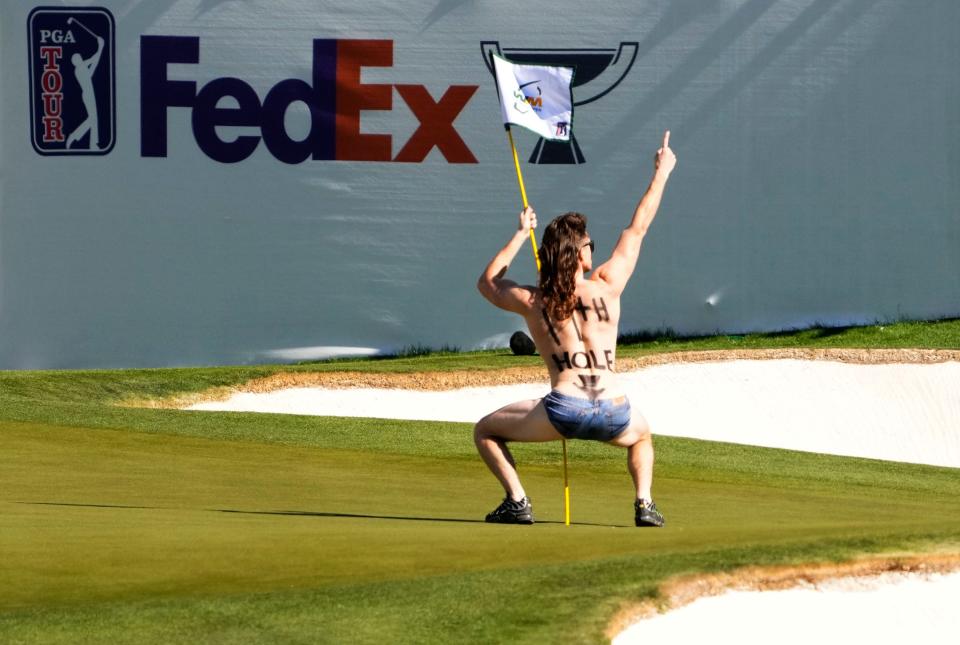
(589, 382)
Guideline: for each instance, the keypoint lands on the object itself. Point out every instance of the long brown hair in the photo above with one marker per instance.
(559, 259)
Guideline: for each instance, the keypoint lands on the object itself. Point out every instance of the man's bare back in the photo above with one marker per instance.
(580, 352)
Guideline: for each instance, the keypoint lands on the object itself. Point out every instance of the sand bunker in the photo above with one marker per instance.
(893, 607)
(899, 412)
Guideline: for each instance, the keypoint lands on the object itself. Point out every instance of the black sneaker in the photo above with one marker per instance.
(511, 512)
(647, 513)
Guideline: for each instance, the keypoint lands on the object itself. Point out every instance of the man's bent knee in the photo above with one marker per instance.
(481, 430)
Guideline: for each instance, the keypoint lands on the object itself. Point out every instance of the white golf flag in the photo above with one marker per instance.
(536, 97)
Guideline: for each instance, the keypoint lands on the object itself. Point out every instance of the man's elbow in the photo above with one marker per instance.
(485, 286)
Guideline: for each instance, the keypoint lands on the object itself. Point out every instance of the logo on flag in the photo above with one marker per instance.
(72, 80)
(536, 97)
(526, 96)
(598, 72)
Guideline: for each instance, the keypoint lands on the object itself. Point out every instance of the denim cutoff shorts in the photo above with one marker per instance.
(576, 418)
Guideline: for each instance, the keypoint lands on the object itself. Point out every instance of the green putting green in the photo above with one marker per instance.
(129, 525)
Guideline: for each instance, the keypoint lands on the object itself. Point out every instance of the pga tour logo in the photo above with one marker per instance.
(72, 80)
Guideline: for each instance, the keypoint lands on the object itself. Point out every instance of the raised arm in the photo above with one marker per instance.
(617, 270)
(504, 293)
(93, 60)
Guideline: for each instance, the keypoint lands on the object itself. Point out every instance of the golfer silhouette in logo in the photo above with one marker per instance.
(84, 70)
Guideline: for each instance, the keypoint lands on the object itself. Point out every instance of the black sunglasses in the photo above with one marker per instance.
(590, 244)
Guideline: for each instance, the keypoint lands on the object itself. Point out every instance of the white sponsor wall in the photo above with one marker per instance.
(818, 178)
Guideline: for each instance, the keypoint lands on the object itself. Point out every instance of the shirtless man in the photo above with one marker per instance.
(573, 320)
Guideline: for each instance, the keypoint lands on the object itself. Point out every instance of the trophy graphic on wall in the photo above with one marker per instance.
(601, 69)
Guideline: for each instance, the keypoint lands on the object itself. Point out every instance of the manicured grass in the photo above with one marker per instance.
(364, 530)
(154, 526)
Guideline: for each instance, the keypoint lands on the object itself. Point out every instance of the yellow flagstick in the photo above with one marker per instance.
(536, 257)
(523, 194)
(566, 487)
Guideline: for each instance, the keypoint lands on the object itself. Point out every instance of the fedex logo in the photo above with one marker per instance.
(335, 96)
